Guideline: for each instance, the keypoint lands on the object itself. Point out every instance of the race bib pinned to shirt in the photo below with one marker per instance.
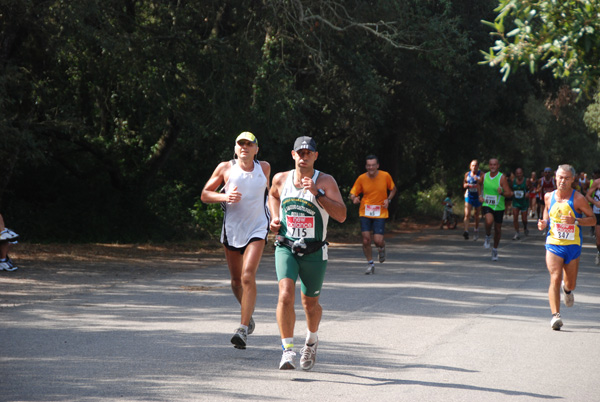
(300, 226)
(491, 200)
(519, 193)
(565, 231)
(372, 210)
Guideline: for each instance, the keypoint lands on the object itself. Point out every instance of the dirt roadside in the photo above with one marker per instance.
(49, 271)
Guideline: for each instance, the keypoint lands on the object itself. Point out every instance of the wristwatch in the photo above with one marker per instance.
(576, 222)
(320, 193)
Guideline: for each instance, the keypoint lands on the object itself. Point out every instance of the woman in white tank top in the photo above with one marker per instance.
(243, 197)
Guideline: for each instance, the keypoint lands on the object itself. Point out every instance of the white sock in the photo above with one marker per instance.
(287, 343)
(245, 327)
(311, 337)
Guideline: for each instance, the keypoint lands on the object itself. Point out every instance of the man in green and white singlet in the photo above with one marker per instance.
(495, 188)
(301, 201)
(520, 203)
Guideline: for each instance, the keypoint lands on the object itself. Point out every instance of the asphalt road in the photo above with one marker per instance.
(439, 321)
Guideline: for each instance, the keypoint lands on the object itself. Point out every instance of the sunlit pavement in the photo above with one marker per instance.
(439, 321)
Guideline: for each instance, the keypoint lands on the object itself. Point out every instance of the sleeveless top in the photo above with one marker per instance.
(491, 198)
(472, 191)
(250, 217)
(547, 186)
(563, 234)
(300, 214)
(595, 209)
(533, 186)
(519, 190)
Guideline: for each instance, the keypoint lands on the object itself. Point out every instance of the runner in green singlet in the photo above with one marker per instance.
(495, 188)
(520, 202)
(301, 201)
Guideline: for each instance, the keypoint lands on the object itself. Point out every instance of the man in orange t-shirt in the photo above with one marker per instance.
(377, 190)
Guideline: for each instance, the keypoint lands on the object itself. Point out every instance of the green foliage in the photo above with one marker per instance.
(562, 36)
(428, 202)
(208, 218)
(115, 113)
(592, 115)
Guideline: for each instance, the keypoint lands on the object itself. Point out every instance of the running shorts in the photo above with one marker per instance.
(498, 215)
(310, 268)
(597, 219)
(474, 201)
(242, 249)
(522, 204)
(375, 225)
(567, 253)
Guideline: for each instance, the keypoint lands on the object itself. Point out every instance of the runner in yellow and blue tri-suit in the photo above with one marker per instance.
(564, 212)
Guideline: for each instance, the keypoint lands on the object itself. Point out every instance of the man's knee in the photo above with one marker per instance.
(366, 240)
(236, 283)
(248, 279)
(286, 295)
(311, 306)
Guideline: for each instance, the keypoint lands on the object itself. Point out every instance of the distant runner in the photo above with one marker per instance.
(374, 191)
(472, 186)
(593, 197)
(520, 202)
(495, 188)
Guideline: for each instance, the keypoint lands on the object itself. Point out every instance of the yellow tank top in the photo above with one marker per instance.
(563, 234)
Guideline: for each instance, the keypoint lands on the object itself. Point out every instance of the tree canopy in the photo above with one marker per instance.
(114, 113)
(561, 36)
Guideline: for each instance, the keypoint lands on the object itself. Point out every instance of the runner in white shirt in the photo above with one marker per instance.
(243, 197)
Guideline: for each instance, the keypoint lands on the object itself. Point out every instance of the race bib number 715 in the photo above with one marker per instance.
(300, 226)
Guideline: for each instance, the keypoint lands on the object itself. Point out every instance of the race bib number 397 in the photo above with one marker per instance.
(300, 226)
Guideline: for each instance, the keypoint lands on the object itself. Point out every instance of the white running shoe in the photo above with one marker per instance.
(598, 258)
(487, 242)
(8, 234)
(239, 338)
(494, 254)
(516, 236)
(287, 360)
(568, 297)
(370, 269)
(476, 235)
(556, 322)
(7, 265)
(308, 355)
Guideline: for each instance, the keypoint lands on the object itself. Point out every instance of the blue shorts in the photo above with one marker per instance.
(567, 253)
(375, 225)
(473, 201)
